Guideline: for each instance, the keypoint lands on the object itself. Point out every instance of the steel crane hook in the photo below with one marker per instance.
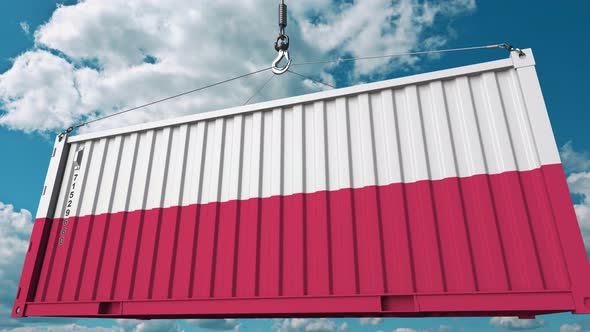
(275, 64)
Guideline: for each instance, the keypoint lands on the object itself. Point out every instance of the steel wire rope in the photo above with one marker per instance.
(311, 79)
(82, 124)
(459, 49)
(259, 89)
(506, 46)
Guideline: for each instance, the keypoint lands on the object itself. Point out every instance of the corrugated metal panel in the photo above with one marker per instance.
(438, 194)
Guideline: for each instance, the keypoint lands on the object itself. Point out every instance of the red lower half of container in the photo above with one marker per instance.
(482, 245)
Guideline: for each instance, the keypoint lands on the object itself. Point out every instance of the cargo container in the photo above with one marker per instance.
(440, 194)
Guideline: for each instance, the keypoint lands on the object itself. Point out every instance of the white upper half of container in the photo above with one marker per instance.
(487, 118)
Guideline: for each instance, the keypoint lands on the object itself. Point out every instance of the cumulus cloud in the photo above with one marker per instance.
(119, 325)
(64, 328)
(17, 222)
(149, 326)
(577, 164)
(440, 328)
(571, 328)
(579, 184)
(515, 323)
(574, 161)
(445, 328)
(15, 230)
(216, 324)
(366, 27)
(309, 325)
(96, 57)
(370, 321)
(40, 91)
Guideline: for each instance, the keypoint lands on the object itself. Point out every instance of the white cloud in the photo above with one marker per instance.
(440, 328)
(96, 57)
(370, 321)
(119, 325)
(40, 91)
(321, 325)
(445, 328)
(216, 324)
(16, 222)
(130, 325)
(515, 323)
(374, 27)
(574, 161)
(579, 183)
(291, 324)
(25, 27)
(577, 164)
(570, 328)
(15, 229)
(63, 328)
(308, 325)
(324, 82)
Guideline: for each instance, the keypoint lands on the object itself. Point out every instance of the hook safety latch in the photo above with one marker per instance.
(275, 64)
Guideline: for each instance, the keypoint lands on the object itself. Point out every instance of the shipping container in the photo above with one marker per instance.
(440, 194)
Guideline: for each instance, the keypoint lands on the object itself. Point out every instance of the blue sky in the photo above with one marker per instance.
(556, 32)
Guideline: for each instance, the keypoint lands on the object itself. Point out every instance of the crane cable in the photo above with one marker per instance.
(70, 129)
(259, 89)
(508, 47)
(505, 46)
(311, 79)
